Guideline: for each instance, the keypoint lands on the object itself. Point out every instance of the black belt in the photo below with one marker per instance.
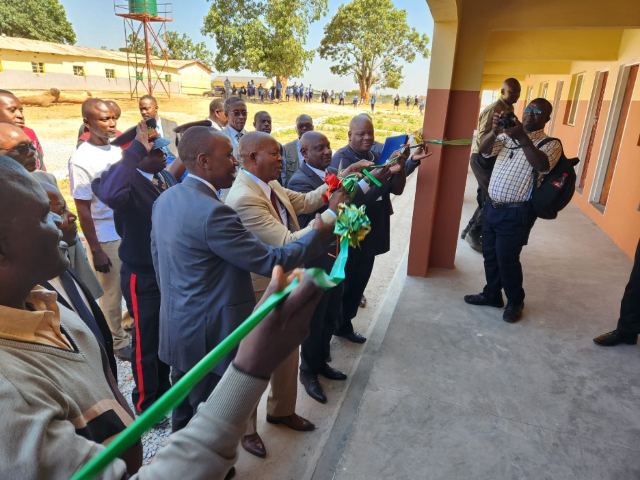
(501, 205)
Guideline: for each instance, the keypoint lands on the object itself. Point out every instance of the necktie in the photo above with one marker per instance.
(159, 182)
(239, 135)
(79, 306)
(274, 202)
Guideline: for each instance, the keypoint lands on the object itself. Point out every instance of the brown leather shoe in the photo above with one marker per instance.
(293, 421)
(253, 444)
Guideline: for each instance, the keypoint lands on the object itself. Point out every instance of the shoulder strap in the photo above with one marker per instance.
(544, 141)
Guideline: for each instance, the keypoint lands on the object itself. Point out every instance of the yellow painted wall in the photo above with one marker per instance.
(620, 219)
(194, 80)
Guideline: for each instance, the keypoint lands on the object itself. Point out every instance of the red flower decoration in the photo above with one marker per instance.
(334, 183)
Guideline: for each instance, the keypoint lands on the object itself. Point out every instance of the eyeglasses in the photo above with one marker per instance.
(21, 149)
(537, 111)
(239, 113)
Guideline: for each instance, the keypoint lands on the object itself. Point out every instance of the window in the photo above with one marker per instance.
(37, 67)
(79, 71)
(577, 82)
(110, 72)
(167, 78)
(544, 88)
(527, 99)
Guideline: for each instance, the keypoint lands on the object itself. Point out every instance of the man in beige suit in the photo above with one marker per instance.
(269, 211)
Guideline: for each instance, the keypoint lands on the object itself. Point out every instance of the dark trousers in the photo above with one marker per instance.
(198, 394)
(150, 374)
(482, 169)
(316, 348)
(357, 273)
(504, 232)
(629, 322)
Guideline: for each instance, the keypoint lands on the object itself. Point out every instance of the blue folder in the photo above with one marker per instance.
(391, 144)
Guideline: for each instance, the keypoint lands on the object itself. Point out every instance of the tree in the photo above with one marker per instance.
(263, 36)
(178, 48)
(370, 39)
(44, 20)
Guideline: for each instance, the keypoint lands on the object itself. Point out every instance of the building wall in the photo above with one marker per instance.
(17, 73)
(194, 80)
(620, 218)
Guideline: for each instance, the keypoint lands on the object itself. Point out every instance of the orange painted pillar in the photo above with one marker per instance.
(450, 114)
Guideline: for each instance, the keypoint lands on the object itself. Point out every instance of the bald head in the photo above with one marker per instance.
(100, 119)
(316, 150)
(361, 134)
(30, 250)
(90, 104)
(510, 91)
(198, 140)
(304, 124)
(15, 144)
(117, 111)
(260, 154)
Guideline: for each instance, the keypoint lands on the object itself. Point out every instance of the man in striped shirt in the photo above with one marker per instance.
(507, 216)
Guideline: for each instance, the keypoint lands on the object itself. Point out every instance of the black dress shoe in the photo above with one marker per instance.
(513, 312)
(613, 338)
(332, 373)
(328, 359)
(354, 337)
(480, 299)
(312, 387)
(230, 474)
(363, 301)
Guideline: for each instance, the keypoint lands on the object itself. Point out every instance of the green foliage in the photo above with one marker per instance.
(44, 20)
(263, 36)
(178, 48)
(370, 40)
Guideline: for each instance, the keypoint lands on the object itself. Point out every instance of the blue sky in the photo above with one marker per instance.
(96, 25)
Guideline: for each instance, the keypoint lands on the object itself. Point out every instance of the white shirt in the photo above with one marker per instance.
(205, 182)
(364, 186)
(86, 164)
(159, 127)
(214, 125)
(147, 175)
(267, 192)
(300, 157)
(57, 284)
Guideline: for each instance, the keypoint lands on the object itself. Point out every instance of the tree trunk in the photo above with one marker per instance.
(285, 82)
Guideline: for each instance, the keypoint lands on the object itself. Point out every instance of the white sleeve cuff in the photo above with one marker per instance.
(364, 186)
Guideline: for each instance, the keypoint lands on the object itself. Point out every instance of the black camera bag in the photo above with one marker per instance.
(557, 187)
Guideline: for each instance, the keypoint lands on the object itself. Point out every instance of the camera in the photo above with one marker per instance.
(506, 121)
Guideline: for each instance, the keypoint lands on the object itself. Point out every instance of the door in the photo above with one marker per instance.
(556, 104)
(602, 84)
(624, 111)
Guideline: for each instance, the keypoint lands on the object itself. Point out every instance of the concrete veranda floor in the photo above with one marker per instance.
(444, 390)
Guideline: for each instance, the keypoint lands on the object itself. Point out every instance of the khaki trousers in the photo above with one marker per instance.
(284, 388)
(111, 302)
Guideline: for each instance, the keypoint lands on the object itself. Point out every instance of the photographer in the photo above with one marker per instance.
(507, 215)
(482, 167)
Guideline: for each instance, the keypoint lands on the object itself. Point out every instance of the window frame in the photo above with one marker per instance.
(81, 67)
(37, 68)
(113, 73)
(577, 84)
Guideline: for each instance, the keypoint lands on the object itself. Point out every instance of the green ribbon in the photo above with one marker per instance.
(348, 218)
(464, 141)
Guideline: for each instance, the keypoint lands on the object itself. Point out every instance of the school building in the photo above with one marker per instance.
(583, 57)
(31, 64)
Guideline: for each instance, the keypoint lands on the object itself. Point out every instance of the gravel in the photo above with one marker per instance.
(155, 438)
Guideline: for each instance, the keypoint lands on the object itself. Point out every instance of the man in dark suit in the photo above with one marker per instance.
(203, 257)
(316, 150)
(262, 123)
(149, 109)
(292, 156)
(130, 187)
(379, 210)
(72, 292)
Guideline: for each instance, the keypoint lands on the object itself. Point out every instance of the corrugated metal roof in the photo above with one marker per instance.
(37, 46)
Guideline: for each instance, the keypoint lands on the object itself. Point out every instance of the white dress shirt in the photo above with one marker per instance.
(205, 182)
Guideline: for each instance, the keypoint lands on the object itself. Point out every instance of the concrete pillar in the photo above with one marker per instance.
(451, 113)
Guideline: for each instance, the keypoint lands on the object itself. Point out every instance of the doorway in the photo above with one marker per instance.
(613, 136)
(591, 125)
(556, 105)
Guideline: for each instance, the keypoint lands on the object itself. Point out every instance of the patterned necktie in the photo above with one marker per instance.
(239, 136)
(159, 182)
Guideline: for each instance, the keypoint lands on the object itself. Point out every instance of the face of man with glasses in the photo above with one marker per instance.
(237, 115)
(15, 144)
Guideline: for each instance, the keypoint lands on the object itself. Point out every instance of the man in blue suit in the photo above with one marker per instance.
(203, 257)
